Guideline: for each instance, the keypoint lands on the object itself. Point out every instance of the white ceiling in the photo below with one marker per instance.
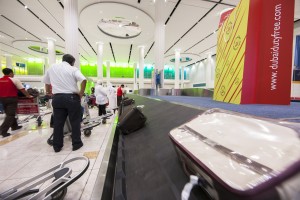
(20, 27)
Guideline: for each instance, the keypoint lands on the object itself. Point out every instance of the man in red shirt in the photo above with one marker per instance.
(120, 94)
(9, 98)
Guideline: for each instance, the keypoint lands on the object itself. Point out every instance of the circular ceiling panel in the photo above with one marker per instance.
(119, 27)
(185, 59)
(131, 25)
(44, 50)
(36, 48)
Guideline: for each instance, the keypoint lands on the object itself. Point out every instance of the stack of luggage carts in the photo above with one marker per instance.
(54, 181)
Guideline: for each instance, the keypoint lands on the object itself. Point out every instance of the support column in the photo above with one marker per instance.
(159, 45)
(100, 60)
(208, 72)
(141, 66)
(107, 71)
(177, 61)
(71, 29)
(135, 87)
(8, 61)
(182, 76)
(46, 64)
(51, 52)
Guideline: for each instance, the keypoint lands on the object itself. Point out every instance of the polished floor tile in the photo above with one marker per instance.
(26, 154)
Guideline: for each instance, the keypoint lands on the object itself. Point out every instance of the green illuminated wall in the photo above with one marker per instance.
(169, 73)
(115, 71)
(35, 68)
(88, 70)
(121, 72)
(89, 84)
(20, 71)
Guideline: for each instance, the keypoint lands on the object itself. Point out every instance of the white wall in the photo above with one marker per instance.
(198, 73)
(295, 89)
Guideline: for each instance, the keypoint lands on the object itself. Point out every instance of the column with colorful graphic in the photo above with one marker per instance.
(254, 55)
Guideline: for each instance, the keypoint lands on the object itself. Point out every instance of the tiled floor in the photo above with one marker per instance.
(26, 153)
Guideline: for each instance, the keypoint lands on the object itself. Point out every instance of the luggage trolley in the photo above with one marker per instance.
(29, 106)
(61, 176)
(88, 123)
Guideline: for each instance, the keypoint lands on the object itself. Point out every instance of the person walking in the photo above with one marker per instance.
(120, 94)
(101, 99)
(9, 99)
(112, 96)
(66, 98)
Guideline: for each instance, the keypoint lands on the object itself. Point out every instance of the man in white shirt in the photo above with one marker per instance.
(63, 79)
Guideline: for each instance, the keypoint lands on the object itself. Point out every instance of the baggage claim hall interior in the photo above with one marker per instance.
(210, 107)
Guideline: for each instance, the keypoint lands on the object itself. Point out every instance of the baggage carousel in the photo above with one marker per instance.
(144, 164)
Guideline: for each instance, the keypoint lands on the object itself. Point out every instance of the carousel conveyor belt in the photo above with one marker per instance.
(152, 168)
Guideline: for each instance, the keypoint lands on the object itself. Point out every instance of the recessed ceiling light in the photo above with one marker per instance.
(26, 7)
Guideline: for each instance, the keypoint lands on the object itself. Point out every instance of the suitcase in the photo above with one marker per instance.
(237, 156)
(128, 102)
(132, 121)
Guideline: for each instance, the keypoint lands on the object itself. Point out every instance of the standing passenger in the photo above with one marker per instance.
(112, 96)
(9, 98)
(63, 78)
(120, 94)
(101, 99)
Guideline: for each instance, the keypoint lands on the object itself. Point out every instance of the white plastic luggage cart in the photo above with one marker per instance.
(86, 128)
(60, 177)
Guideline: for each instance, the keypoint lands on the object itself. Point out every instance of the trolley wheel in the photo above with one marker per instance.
(60, 195)
(87, 132)
(39, 121)
(50, 142)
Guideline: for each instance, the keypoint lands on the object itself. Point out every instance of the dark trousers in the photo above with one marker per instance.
(102, 110)
(119, 99)
(10, 108)
(66, 105)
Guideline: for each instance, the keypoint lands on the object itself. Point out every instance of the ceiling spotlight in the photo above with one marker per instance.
(26, 7)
